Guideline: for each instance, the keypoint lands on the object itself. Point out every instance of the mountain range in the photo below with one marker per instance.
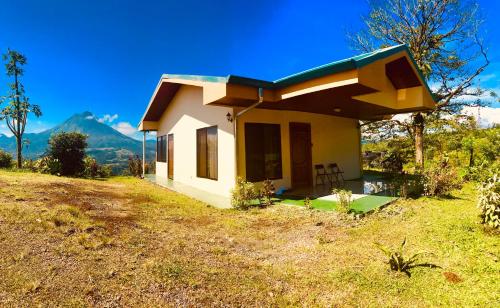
(105, 144)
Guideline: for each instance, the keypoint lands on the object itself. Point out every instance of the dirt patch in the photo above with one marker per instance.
(452, 277)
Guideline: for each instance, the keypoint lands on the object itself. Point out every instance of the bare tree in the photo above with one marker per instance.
(445, 40)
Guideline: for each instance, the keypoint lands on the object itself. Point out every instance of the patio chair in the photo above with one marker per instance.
(322, 174)
(336, 173)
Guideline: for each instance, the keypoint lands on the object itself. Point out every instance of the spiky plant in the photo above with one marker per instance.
(397, 260)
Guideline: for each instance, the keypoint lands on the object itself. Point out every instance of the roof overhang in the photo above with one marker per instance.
(371, 86)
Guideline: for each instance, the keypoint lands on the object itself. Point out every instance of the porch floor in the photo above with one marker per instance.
(372, 183)
(369, 192)
(198, 194)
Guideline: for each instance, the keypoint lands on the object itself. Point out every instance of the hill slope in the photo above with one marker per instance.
(106, 144)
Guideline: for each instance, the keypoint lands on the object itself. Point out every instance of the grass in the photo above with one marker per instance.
(126, 242)
(361, 205)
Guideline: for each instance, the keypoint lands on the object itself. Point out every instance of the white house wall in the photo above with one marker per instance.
(184, 115)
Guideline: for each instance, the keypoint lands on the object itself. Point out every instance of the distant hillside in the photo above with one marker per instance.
(106, 144)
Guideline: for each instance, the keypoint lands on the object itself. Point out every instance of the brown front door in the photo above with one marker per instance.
(300, 154)
(170, 153)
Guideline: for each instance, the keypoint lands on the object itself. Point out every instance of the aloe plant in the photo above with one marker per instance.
(397, 260)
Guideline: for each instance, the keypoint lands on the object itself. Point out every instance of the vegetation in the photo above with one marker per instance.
(397, 260)
(441, 179)
(267, 192)
(457, 151)
(5, 159)
(243, 194)
(344, 199)
(15, 112)
(92, 169)
(45, 164)
(444, 39)
(125, 242)
(69, 150)
(489, 202)
(135, 166)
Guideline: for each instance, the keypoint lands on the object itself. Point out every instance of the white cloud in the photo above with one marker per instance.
(484, 97)
(403, 117)
(89, 117)
(485, 116)
(108, 118)
(126, 128)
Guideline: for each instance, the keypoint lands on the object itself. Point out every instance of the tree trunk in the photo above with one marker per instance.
(19, 152)
(471, 157)
(418, 123)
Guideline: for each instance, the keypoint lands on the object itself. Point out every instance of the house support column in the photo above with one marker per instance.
(144, 154)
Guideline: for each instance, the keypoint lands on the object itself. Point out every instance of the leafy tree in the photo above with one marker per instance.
(444, 38)
(17, 107)
(69, 150)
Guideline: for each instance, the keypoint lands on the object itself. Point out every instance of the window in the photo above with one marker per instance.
(206, 152)
(263, 151)
(161, 149)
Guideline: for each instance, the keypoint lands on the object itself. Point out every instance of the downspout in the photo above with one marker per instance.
(235, 129)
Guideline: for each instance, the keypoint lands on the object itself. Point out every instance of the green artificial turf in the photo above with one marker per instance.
(361, 205)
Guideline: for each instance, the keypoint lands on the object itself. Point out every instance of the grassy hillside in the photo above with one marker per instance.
(127, 242)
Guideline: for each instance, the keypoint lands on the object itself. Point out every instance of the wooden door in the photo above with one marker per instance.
(170, 153)
(301, 154)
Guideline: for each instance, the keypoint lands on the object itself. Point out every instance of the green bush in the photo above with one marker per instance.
(489, 202)
(441, 179)
(135, 166)
(46, 164)
(69, 150)
(243, 195)
(407, 186)
(94, 170)
(393, 162)
(344, 199)
(266, 193)
(482, 172)
(5, 159)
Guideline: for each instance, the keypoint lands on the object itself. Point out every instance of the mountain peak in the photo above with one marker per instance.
(86, 114)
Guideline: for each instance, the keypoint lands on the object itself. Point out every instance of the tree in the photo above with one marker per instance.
(444, 38)
(17, 106)
(69, 150)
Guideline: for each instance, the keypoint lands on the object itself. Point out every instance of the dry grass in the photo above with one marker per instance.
(125, 242)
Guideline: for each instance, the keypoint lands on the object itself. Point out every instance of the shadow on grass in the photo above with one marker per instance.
(429, 265)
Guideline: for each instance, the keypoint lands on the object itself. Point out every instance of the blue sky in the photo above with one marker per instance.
(107, 56)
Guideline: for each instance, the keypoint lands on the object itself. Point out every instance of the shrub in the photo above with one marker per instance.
(46, 164)
(344, 199)
(398, 262)
(69, 150)
(489, 202)
(307, 203)
(393, 163)
(440, 180)
(5, 159)
(408, 186)
(266, 193)
(135, 166)
(482, 172)
(93, 170)
(243, 194)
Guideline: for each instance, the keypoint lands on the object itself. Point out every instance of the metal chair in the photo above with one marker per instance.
(336, 172)
(322, 174)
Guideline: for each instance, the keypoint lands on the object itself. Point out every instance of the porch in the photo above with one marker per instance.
(373, 190)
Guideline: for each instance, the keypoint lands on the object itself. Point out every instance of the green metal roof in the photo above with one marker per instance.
(320, 71)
